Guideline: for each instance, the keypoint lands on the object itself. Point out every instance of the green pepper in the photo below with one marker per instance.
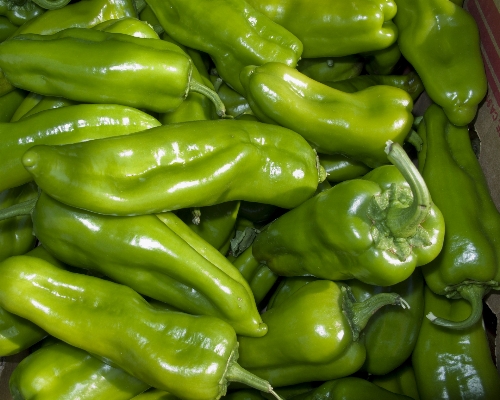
(382, 62)
(9, 104)
(391, 334)
(232, 32)
(331, 69)
(147, 15)
(7, 28)
(235, 103)
(356, 125)
(349, 388)
(312, 336)
(19, 15)
(376, 229)
(29, 102)
(157, 256)
(441, 41)
(174, 166)
(334, 28)
(69, 124)
(161, 72)
(59, 371)
(45, 103)
(155, 394)
(451, 364)
(401, 381)
(128, 26)
(81, 14)
(469, 265)
(340, 168)
(192, 357)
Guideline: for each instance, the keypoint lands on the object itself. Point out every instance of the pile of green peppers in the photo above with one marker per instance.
(235, 199)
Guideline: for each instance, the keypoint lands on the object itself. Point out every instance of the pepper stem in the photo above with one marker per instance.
(236, 373)
(197, 87)
(51, 4)
(403, 222)
(17, 210)
(474, 295)
(359, 313)
(415, 140)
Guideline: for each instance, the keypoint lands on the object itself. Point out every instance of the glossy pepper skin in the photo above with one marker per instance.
(193, 357)
(312, 336)
(19, 15)
(441, 41)
(453, 364)
(334, 28)
(9, 104)
(401, 380)
(70, 124)
(376, 229)
(59, 371)
(340, 168)
(161, 76)
(469, 264)
(356, 125)
(239, 34)
(331, 68)
(159, 257)
(174, 166)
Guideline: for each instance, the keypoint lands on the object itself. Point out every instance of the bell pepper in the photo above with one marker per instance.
(453, 364)
(174, 166)
(19, 15)
(9, 104)
(192, 357)
(376, 229)
(161, 73)
(349, 388)
(312, 336)
(59, 371)
(232, 32)
(356, 125)
(334, 28)
(157, 256)
(69, 124)
(340, 168)
(441, 41)
(469, 265)
(7, 28)
(331, 69)
(81, 14)
(401, 381)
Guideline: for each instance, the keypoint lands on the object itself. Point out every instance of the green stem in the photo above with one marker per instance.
(415, 140)
(220, 108)
(18, 210)
(51, 4)
(236, 373)
(196, 213)
(359, 313)
(403, 222)
(474, 295)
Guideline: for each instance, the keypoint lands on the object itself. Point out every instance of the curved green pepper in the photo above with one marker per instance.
(376, 229)
(356, 125)
(192, 357)
(239, 35)
(19, 15)
(68, 124)
(331, 69)
(109, 64)
(29, 102)
(334, 28)
(469, 264)
(60, 371)
(175, 166)
(313, 336)
(401, 380)
(441, 41)
(81, 14)
(340, 168)
(9, 103)
(451, 364)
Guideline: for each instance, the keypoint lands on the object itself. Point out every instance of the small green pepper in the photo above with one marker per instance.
(175, 166)
(340, 168)
(192, 357)
(356, 125)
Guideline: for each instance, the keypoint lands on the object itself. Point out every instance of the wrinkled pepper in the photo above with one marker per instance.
(192, 357)
(157, 256)
(334, 28)
(63, 125)
(173, 166)
(340, 168)
(401, 381)
(331, 68)
(356, 125)
(239, 35)
(469, 265)
(376, 229)
(451, 364)
(161, 75)
(19, 15)
(9, 103)
(59, 371)
(313, 336)
(441, 41)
